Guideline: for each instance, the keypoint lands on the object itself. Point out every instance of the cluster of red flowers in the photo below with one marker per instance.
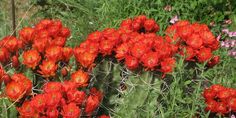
(137, 43)
(195, 41)
(57, 98)
(220, 99)
(43, 47)
(61, 99)
(43, 50)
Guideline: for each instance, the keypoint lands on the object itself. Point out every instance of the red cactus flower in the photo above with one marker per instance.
(31, 58)
(92, 47)
(54, 30)
(65, 32)
(95, 92)
(22, 79)
(222, 108)
(140, 18)
(131, 62)
(196, 27)
(208, 37)
(149, 25)
(51, 87)
(106, 47)
(93, 101)
(138, 50)
(76, 96)
(26, 34)
(41, 34)
(86, 59)
(10, 42)
(124, 37)
(217, 87)
(215, 60)
(20, 44)
(27, 110)
(95, 36)
(156, 28)
(224, 94)
(48, 68)
(150, 60)
(126, 24)
(136, 25)
(54, 53)
(121, 51)
(232, 104)
(204, 54)
(195, 41)
(115, 37)
(68, 85)
(15, 61)
(70, 111)
(58, 41)
(67, 52)
(215, 45)
(52, 113)
(167, 65)
(45, 23)
(164, 51)
(108, 31)
(4, 77)
(40, 44)
(53, 99)
(188, 53)
(182, 23)
(14, 91)
(212, 106)
(209, 94)
(4, 55)
(80, 77)
(39, 102)
(233, 92)
(185, 31)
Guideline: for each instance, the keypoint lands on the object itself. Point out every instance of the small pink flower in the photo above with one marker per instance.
(218, 37)
(225, 31)
(229, 21)
(232, 34)
(174, 19)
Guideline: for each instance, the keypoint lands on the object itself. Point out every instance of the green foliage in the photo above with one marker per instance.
(7, 109)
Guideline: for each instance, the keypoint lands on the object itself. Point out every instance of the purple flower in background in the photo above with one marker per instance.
(174, 19)
(225, 31)
(232, 116)
(232, 53)
(230, 34)
(228, 43)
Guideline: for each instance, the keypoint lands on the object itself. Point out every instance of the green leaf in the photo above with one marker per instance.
(7, 109)
(187, 82)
